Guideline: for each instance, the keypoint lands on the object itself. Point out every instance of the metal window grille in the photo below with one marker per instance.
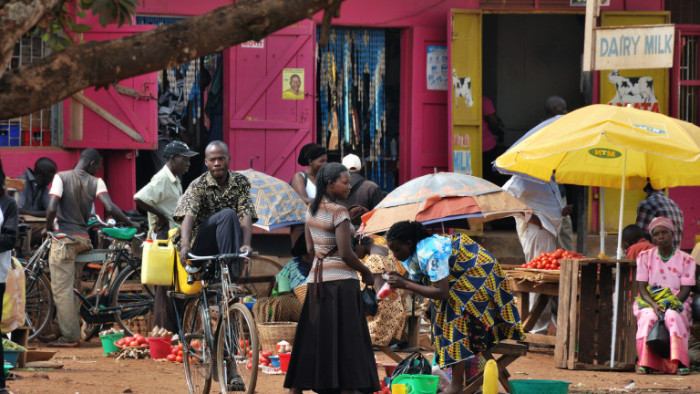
(40, 127)
(689, 81)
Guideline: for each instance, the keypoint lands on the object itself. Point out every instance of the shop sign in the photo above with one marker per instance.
(624, 48)
(254, 44)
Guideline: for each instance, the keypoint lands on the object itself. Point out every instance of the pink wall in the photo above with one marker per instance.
(16, 160)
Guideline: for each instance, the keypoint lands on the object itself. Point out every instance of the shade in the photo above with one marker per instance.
(276, 203)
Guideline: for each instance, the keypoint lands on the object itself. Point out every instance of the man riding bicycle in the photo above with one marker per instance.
(217, 215)
(71, 199)
(216, 212)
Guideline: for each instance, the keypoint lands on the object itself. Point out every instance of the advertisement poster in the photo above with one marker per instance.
(254, 44)
(436, 67)
(293, 84)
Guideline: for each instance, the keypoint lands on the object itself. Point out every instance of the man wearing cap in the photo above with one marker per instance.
(160, 196)
(364, 194)
(159, 199)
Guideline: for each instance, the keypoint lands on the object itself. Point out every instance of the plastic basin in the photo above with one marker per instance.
(159, 346)
(533, 386)
(108, 342)
(418, 384)
(11, 357)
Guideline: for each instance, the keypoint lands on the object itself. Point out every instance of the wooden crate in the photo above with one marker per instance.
(585, 315)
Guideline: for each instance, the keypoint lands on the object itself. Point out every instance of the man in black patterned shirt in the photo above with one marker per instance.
(216, 212)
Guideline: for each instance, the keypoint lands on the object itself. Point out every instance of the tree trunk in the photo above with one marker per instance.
(45, 82)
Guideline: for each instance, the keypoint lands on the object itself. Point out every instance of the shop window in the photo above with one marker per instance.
(687, 75)
(34, 129)
(358, 99)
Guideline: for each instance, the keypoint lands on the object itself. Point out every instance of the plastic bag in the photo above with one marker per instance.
(415, 364)
(14, 299)
(369, 298)
(659, 339)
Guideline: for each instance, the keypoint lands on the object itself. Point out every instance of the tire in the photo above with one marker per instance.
(135, 302)
(229, 352)
(39, 309)
(199, 363)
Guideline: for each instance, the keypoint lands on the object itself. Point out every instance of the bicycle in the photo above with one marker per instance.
(117, 295)
(235, 339)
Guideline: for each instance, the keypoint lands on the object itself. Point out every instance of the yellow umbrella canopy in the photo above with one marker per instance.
(600, 144)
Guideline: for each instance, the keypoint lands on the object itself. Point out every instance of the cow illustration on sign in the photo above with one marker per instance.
(638, 91)
(462, 88)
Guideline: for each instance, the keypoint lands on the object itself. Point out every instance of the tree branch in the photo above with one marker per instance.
(17, 17)
(40, 84)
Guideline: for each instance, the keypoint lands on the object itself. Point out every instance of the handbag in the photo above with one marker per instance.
(659, 339)
(415, 364)
(369, 298)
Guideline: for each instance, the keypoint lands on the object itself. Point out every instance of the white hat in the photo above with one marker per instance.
(352, 162)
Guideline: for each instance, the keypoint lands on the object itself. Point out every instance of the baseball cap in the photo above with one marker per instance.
(352, 162)
(178, 148)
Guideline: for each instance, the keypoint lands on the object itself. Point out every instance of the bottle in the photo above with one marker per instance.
(490, 378)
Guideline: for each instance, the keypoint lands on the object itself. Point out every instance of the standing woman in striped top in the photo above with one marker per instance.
(332, 348)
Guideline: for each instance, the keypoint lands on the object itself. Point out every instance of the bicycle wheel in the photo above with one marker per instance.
(39, 307)
(134, 300)
(197, 347)
(237, 351)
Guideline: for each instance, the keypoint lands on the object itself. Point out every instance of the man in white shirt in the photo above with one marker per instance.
(159, 199)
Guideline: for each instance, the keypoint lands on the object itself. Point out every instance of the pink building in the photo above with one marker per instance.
(381, 89)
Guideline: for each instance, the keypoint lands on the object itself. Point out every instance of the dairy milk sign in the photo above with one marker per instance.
(625, 48)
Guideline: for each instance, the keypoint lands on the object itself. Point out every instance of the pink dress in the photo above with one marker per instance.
(678, 271)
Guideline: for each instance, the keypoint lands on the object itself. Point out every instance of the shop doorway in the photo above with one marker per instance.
(190, 109)
(358, 75)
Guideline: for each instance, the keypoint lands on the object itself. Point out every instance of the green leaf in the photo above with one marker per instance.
(45, 37)
(105, 17)
(81, 28)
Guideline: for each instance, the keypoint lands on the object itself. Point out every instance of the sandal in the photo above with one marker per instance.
(60, 342)
(642, 370)
(683, 371)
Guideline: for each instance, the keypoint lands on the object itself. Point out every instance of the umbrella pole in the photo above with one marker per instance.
(601, 218)
(617, 266)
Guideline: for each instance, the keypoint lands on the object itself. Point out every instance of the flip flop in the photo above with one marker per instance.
(642, 370)
(60, 342)
(683, 371)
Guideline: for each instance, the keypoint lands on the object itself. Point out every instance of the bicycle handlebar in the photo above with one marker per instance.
(194, 257)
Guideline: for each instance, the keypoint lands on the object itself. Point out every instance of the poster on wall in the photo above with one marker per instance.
(292, 84)
(461, 154)
(436, 67)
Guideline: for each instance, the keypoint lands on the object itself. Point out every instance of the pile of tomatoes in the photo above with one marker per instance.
(175, 353)
(137, 340)
(263, 360)
(551, 260)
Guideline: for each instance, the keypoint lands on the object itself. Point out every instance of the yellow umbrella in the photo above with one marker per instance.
(609, 146)
(600, 144)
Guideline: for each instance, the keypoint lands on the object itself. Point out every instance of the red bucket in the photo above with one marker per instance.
(160, 347)
(284, 361)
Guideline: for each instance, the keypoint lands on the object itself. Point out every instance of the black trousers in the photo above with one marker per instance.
(221, 233)
(2, 349)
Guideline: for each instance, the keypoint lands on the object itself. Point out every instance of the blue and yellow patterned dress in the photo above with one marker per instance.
(480, 311)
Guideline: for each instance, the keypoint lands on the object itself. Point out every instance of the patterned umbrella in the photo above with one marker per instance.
(275, 202)
(443, 197)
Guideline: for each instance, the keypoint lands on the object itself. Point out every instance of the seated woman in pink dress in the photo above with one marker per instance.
(660, 269)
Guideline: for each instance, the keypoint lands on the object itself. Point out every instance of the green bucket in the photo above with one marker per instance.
(533, 386)
(419, 384)
(108, 342)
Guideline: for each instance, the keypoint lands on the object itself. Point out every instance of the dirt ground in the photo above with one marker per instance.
(87, 370)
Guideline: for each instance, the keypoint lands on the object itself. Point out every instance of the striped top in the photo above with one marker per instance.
(322, 227)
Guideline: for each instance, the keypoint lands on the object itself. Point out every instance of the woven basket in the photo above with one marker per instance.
(273, 332)
(300, 292)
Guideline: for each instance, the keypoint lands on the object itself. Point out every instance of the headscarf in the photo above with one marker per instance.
(661, 221)
(310, 152)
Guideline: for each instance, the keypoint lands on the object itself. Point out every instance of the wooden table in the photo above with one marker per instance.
(524, 282)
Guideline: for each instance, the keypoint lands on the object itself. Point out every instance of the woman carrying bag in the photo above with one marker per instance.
(664, 278)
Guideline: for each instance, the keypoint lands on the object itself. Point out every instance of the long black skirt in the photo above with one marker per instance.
(332, 347)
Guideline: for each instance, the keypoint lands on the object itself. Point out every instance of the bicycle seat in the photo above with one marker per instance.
(125, 233)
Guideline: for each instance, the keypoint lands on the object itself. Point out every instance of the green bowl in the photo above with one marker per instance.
(533, 386)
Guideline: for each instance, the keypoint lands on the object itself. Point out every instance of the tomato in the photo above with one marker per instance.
(178, 359)
(266, 353)
(141, 340)
(174, 350)
(170, 357)
(241, 343)
(524, 265)
(250, 353)
(179, 346)
(250, 365)
(195, 344)
(127, 340)
(134, 343)
(179, 353)
(120, 342)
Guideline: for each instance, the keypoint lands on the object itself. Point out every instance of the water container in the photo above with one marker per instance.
(157, 263)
